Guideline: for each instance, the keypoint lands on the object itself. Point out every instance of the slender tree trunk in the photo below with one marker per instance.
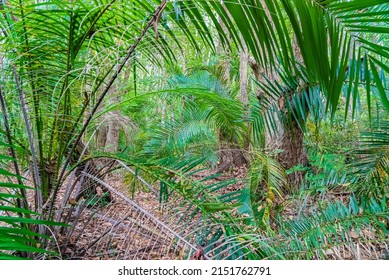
(243, 75)
(244, 83)
(231, 153)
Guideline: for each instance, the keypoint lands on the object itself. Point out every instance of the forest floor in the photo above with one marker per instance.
(102, 220)
(107, 228)
(118, 230)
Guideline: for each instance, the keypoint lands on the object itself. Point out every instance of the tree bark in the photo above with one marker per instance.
(293, 153)
(288, 139)
(243, 75)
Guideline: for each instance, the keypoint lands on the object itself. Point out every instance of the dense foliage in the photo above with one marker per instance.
(250, 129)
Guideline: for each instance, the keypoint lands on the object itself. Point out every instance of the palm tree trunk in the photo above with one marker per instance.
(293, 153)
(288, 139)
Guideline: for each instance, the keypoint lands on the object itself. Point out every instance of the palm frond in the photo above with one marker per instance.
(18, 239)
(323, 234)
(371, 168)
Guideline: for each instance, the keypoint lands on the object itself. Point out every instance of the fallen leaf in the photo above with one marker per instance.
(329, 252)
(99, 191)
(354, 235)
(72, 201)
(370, 234)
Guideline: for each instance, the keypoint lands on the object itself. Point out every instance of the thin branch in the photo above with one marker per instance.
(12, 152)
(29, 130)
